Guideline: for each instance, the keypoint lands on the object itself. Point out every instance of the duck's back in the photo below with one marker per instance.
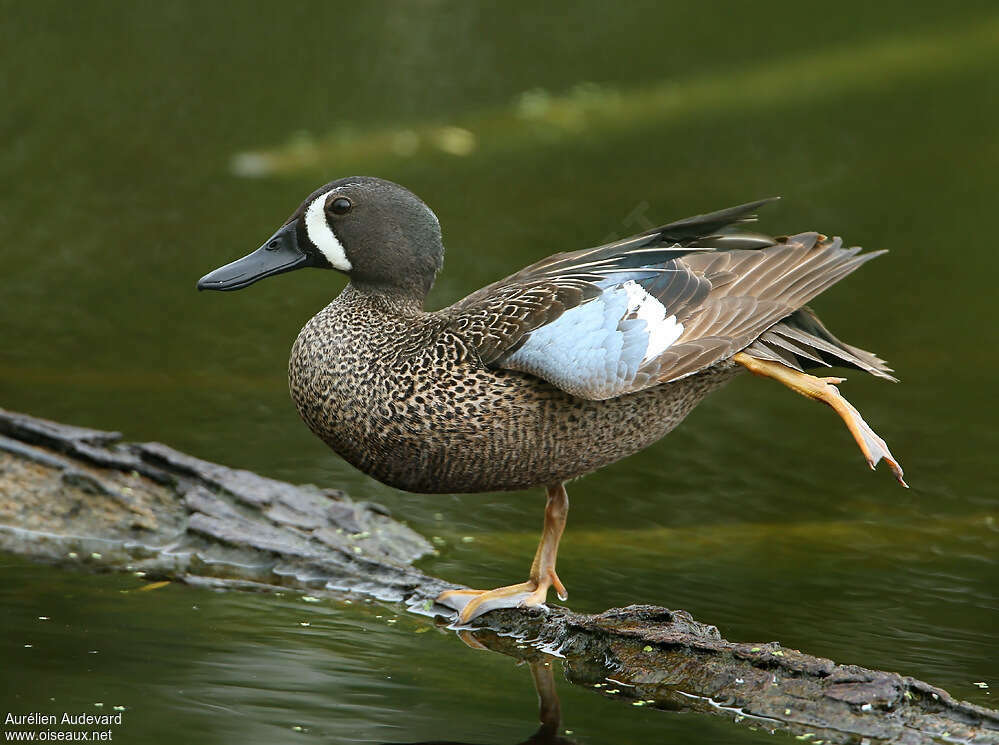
(404, 398)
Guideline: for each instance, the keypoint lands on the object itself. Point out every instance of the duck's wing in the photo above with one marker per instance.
(498, 318)
(642, 250)
(655, 307)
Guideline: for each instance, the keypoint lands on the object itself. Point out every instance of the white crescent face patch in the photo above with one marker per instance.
(322, 235)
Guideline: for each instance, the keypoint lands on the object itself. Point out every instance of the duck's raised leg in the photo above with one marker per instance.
(473, 603)
(824, 390)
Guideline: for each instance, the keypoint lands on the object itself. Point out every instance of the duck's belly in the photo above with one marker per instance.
(465, 428)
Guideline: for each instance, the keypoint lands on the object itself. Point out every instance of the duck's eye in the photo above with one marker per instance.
(340, 206)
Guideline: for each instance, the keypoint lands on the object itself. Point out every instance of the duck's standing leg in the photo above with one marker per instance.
(543, 566)
(533, 592)
(824, 390)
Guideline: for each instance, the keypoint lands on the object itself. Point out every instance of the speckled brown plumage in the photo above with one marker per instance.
(405, 399)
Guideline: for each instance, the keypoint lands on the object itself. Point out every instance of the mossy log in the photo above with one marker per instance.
(83, 497)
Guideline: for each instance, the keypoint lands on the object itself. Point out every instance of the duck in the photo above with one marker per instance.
(562, 368)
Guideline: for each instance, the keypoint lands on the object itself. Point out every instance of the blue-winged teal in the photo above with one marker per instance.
(564, 367)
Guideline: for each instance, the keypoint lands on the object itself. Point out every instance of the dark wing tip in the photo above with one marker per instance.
(699, 226)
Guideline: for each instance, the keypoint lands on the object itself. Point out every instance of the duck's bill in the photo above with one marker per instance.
(279, 254)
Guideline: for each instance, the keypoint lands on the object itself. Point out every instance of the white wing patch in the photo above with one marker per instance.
(663, 330)
(322, 235)
(596, 349)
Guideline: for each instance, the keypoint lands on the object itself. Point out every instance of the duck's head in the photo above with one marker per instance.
(379, 234)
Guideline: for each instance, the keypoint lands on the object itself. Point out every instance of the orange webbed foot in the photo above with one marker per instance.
(471, 604)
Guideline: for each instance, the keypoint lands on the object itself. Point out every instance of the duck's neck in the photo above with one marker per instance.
(394, 300)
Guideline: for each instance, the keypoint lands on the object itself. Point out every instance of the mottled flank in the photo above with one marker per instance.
(404, 398)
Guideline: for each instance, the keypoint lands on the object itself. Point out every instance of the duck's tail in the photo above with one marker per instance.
(802, 342)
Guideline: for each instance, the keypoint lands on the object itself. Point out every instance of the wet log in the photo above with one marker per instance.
(83, 497)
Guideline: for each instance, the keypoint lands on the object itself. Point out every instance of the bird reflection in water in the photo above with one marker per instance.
(549, 709)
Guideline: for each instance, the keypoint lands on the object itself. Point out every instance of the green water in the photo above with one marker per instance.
(125, 129)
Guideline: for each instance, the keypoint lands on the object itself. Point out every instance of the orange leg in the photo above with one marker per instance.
(549, 708)
(533, 592)
(824, 390)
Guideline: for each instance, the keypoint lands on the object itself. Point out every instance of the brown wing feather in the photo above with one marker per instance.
(728, 291)
(751, 291)
(497, 319)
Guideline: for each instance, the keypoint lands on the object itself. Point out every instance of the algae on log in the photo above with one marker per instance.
(81, 496)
